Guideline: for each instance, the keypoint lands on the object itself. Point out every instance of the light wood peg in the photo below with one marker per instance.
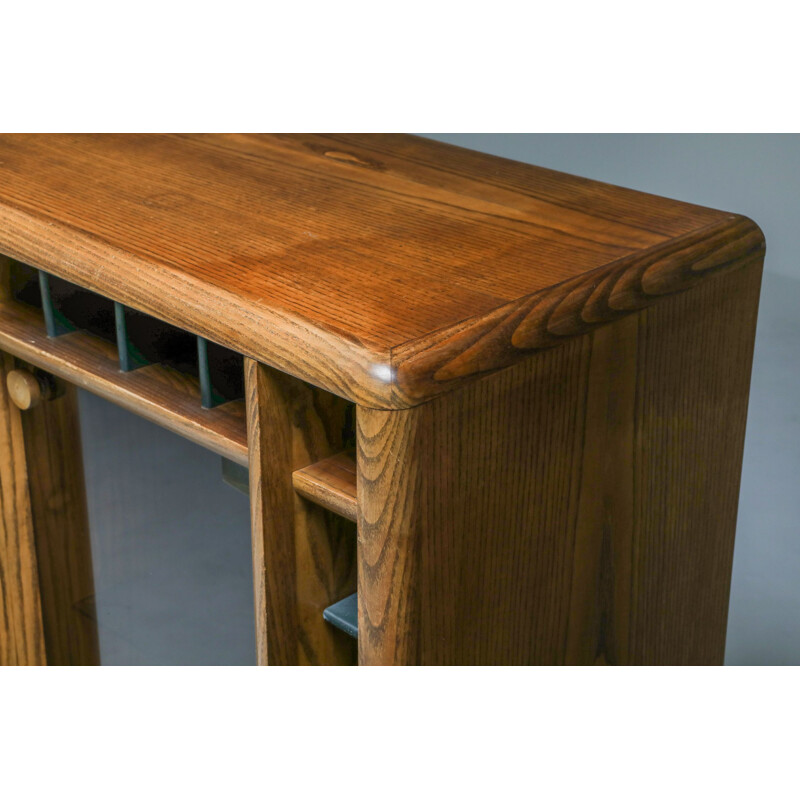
(26, 389)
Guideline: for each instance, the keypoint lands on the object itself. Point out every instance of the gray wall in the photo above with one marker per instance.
(170, 545)
(756, 175)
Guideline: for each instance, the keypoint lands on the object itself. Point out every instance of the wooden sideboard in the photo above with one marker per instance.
(487, 413)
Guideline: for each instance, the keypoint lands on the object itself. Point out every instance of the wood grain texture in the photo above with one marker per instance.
(503, 337)
(304, 557)
(156, 392)
(61, 526)
(331, 483)
(22, 640)
(384, 269)
(24, 389)
(576, 508)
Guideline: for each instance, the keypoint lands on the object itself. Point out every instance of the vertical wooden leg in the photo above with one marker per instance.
(303, 556)
(22, 640)
(579, 507)
(61, 526)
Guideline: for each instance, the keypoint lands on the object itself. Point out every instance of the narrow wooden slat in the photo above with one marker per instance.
(304, 557)
(331, 483)
(155, 392)
(61, 529)
(22, 641)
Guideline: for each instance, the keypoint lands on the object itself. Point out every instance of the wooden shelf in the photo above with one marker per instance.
(331, 483)
(156, 392)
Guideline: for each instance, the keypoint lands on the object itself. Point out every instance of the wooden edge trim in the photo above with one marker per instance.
(425, 368)
(281, 340)
(415, 371)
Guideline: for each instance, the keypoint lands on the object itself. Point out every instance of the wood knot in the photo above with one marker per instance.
(338, 155)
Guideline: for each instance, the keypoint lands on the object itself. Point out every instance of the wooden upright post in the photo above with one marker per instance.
(21, 629)
(304, 557)
(61, 527)
(576, 508)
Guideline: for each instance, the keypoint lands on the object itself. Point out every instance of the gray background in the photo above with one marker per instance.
(171, 544)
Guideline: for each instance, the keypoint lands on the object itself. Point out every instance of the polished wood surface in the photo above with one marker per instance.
(61, 528)
(551, 378)
(156, 392)
(576, 508)
(330, 483)
(304, 557)
(24, 389)
(22, 640)
(385, 269)
(547, 318)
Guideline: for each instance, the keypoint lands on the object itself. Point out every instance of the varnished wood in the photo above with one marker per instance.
(385, 269)
(547, 318)
(61, 527)
(551, 374)
(22, 640)
(578, 507)
(156, 392)
(303, 556)
(24, 389)
(331, 483)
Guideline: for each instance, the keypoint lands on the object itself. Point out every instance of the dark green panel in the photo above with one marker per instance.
(208, 397)
(221, 373)
(344, 615)
(129, 355)
(55, 322)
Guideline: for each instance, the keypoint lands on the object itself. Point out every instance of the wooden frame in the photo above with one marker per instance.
(549, 380)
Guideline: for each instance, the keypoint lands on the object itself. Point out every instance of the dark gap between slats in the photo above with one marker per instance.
(140, 338)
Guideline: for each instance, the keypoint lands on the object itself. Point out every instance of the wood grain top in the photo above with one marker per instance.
(384, 268)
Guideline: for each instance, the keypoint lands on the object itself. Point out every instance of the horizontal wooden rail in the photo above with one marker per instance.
(330, 483)
(156, 392)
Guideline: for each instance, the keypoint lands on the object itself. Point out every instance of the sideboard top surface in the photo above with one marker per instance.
(384, 268)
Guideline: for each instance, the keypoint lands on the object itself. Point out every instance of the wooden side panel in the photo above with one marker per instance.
(693, 381)
(600, 595)
(579, 507)
(22, 640)
(61, 525)
(303, 555)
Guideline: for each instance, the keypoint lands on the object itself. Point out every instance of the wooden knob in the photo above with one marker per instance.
(24, 388)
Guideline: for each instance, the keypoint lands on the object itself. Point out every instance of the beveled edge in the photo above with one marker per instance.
(409, 374)
(282, 340)
(427, 367)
